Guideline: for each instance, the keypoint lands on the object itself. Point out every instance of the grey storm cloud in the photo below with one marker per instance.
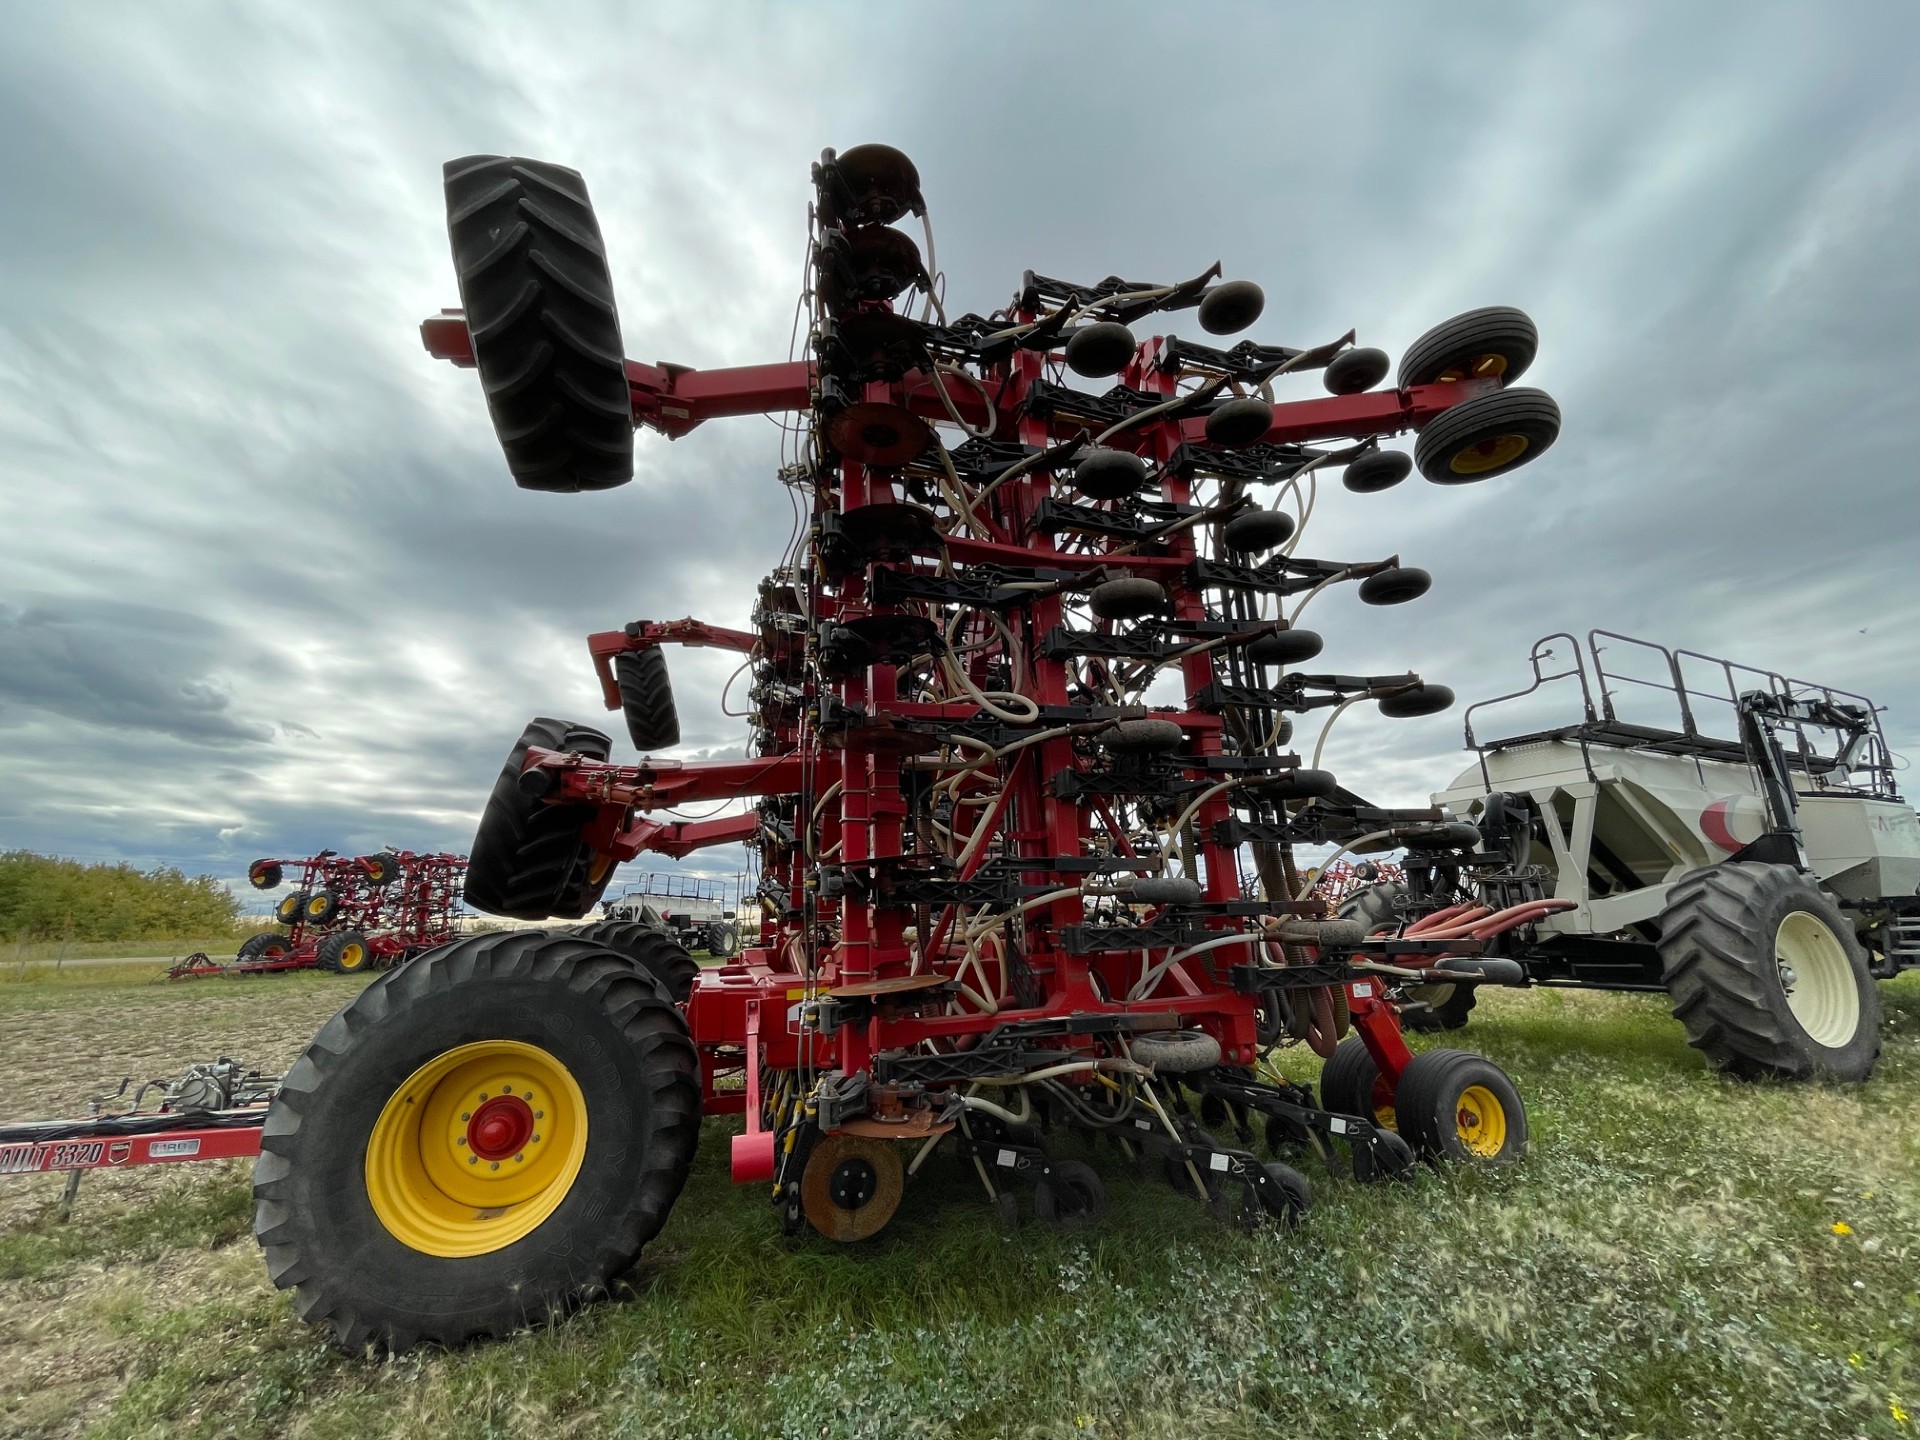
(265, 585)
(117, 667)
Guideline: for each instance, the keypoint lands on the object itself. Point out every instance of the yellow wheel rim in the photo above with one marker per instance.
(1489, 454)
(352, 957)
(476, 1149)
(1481, 367)
(1480, 1120)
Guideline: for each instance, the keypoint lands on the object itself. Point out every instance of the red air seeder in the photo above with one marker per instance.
(1022, 702)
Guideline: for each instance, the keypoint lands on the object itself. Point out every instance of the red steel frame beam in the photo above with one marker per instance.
(113, 1152)
(674, 399)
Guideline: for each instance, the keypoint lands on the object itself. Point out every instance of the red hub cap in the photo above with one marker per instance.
(499, 1128)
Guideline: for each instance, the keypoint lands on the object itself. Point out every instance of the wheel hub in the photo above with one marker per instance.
(501, 1127)
(852, 1184)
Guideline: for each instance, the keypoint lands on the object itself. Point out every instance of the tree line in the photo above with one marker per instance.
(43, 897)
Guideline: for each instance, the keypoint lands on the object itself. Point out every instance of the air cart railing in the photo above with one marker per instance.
(1832, 736)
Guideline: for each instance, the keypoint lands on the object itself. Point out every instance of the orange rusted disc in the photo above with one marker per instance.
(851, 1186)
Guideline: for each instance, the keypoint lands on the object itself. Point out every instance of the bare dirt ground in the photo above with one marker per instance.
(65, 1331)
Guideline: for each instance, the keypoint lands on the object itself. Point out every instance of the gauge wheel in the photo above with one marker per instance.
(1487, 435)
(1455, 1105)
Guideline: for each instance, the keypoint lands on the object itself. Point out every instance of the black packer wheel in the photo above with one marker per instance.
(481, 1140)
(1282, 1198)
(1349, 1084)
(1070, 1198)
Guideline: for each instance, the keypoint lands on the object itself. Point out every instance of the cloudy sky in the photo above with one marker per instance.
(265, 585)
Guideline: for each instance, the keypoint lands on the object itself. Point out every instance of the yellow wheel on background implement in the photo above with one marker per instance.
(478, 1147)
(1455, 1105)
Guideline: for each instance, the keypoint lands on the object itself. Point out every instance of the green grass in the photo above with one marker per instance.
(1665, 1264)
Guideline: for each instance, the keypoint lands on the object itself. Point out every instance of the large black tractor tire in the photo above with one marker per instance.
(1767, 976)
(376, 1196)
(546, 337)
(722, 939)
(264, 946)
(345, 953)
(661, 956)
(528, 859)
(646, 698)
(1375, 907)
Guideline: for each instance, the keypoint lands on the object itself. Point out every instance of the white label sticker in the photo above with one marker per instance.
(1218, 1161)
(1005, 1159)
(160, 1149)
(1337, 1125)
(1363, 990)
(1143, 1125)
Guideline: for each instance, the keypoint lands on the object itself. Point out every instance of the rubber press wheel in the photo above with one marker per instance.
(1455, 1105)
(1767, 976)
(1072, 1197)
(529, 860)
(481, 1140)
(539, 304)
(646, 698)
